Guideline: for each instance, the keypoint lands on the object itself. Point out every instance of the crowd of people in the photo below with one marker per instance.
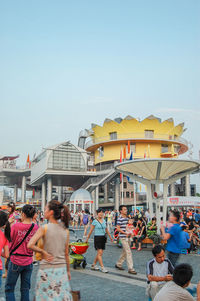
(26, 239)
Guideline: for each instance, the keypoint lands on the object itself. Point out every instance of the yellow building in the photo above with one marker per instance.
(148, 138)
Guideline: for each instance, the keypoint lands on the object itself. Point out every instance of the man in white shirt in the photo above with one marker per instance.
(159, 271)
(176, 290)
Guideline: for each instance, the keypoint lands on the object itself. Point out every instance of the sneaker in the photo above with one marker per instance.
(119, 268)
(94, 268)
(133, 248)
(104, 270)
(133, 272)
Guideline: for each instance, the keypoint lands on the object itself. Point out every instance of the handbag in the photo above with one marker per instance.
(76, 295)
(40, 244)
(19, 244)
(105, 235)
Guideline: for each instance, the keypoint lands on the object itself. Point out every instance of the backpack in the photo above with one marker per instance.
(85, 219)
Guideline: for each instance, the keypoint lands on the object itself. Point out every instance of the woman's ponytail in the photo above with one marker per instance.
(65, 216)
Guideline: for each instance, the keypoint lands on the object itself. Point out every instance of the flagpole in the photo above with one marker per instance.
(122, 190)
(134, 194)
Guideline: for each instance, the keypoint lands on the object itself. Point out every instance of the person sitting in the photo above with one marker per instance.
(152, 232)
(175, 290)
(159, 271)
(141, 227)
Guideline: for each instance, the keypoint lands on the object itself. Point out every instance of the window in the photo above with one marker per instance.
(125, 185)
(177, 148)
(164, 148)
(127, 194)
(113, 135)
(132, 194)
(149, 133)
(101, 151)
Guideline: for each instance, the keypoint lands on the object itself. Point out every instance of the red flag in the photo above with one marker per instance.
(129, 147)
(28, 159)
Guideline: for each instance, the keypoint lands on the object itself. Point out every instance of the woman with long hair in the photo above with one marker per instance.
(20, 263)
(53, 277)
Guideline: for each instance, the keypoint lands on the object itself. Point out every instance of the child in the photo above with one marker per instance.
(4, 239)
(130, 229)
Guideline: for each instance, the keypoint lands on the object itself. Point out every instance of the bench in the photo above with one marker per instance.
(148, 241)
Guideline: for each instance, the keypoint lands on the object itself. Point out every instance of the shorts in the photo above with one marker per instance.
(99, 242)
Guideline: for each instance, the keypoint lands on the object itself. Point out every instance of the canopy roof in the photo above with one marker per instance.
(158, 169)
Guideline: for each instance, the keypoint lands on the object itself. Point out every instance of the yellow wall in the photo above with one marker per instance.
(133, 126)
(112, 152)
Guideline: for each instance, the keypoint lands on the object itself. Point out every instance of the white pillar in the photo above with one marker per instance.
(23, 189)
(43, 196)
(150, 200)
(165, 192)
(187, 186)
(117, 194)
(60, 191)
(15, 193)
(49, 189)
(97, 198)
(173, 189)
(93, 198)
(106, 193)
(157, 189)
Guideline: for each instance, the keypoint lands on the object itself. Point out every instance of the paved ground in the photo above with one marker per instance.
(116, 285)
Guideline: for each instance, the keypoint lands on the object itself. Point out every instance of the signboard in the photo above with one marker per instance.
(138, 208)
(182, 201)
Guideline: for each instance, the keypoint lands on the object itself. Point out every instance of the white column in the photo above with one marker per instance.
(187, 185)
(117, 194)
(173, 189)
(43, 196)
(15, 193)
(60, 190)
(97, 198)
(93, 198)
(49, 189)
(23, 189)
(106, 193)
(150, 200)
(165, 192)
(157, 189)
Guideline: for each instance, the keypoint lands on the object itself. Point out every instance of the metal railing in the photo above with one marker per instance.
(136, 136)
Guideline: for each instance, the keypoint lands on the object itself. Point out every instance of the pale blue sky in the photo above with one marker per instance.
(67, 64)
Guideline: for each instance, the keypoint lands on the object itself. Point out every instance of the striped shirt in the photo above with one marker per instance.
(122, 222)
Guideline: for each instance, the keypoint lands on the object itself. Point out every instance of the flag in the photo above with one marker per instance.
(120, 162)
(124, 152)
(131, 158)
(28, 159)
(129, 147)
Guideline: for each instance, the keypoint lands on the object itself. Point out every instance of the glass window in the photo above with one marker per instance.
(176, 148)
(101, 151)
(113, 135)
(164, 148)
(127, 194)
(66, 157)
(132, 194)
(149, 133)
(125, 185)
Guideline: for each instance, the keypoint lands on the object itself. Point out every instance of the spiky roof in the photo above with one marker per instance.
(130, 125)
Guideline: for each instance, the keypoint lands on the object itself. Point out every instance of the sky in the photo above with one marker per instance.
(67, 64)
